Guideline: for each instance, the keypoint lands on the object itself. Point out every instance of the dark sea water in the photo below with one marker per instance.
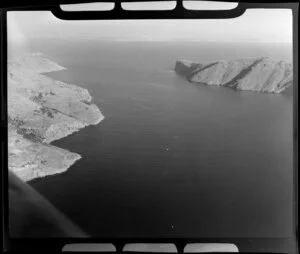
(173, 159)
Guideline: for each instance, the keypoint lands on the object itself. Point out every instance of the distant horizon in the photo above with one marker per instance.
(174, 39)
(255, 25)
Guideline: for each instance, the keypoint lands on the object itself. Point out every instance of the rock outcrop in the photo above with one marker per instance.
(251, 74)
(41, 110)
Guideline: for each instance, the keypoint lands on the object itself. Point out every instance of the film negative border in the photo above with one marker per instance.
(52, 244)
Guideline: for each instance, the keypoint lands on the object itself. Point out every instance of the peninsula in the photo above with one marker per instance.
(252, 74)
(41, 110)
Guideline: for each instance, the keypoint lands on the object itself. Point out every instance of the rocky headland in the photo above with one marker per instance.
(41, 110)
(251, 74)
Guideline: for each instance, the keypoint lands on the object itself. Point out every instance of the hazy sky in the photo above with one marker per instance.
(256, 25)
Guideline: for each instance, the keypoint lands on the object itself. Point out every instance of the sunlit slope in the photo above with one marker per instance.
(41, 110)
(252, 74)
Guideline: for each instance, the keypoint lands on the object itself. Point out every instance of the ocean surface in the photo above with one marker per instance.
(172, 159)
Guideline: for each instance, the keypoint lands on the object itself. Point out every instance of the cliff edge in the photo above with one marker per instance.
(40, 110)
(251, 74)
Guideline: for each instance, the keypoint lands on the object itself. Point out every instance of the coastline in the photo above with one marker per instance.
(253, 74)
(41, 110)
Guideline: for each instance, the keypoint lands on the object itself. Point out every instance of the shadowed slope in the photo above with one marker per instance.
(234, 82)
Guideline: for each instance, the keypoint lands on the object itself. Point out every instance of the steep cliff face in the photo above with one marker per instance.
(252, 74)
(41, 110)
